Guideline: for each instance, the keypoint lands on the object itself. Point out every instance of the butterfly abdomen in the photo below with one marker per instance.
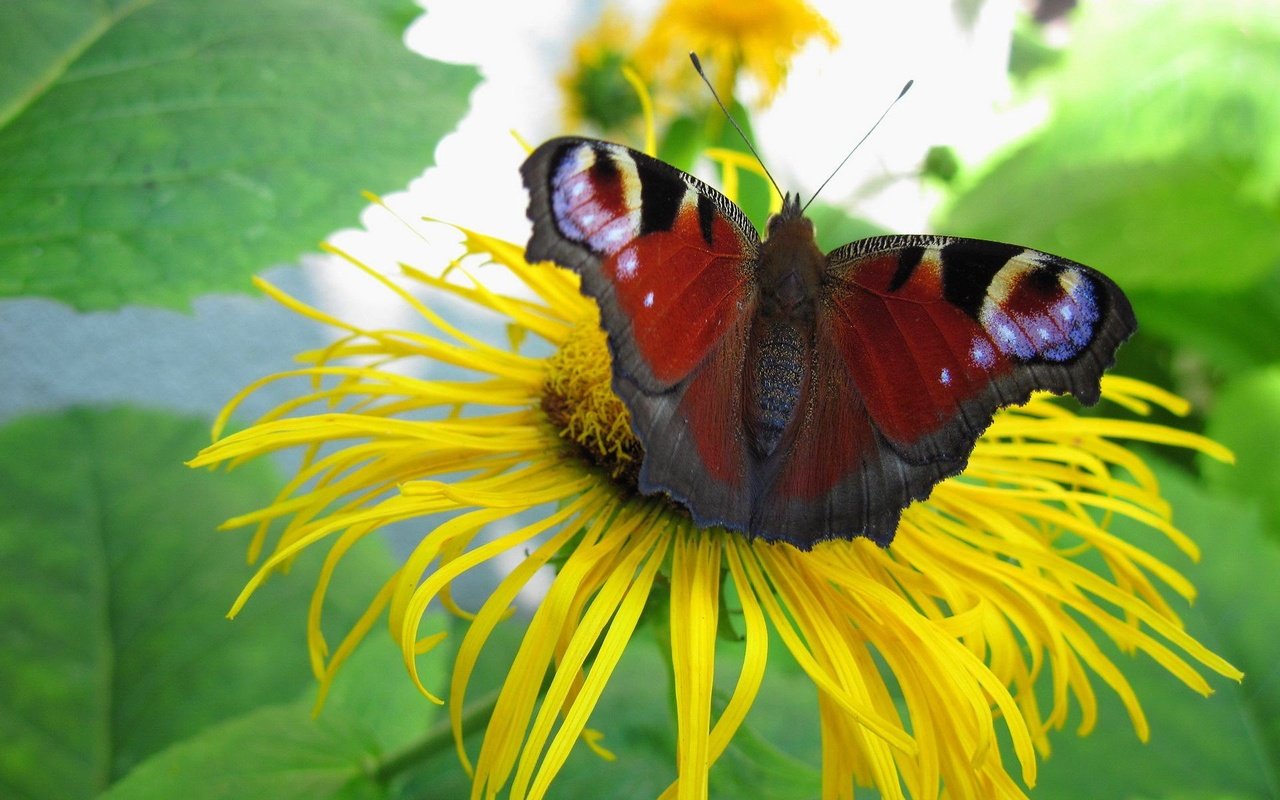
(780, 353)
(788, 279)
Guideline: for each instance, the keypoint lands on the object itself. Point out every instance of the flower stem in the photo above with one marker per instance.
(437, 739)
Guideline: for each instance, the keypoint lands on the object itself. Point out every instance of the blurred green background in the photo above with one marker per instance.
(153, 153)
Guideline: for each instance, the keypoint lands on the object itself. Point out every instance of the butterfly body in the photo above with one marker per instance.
(788, 278)
(795, 395)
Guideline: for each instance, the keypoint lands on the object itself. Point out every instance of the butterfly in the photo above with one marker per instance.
(793, 395)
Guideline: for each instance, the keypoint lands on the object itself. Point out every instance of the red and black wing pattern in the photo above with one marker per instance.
(915, 342)
(939, 332)
(671, 262)
(933, 335)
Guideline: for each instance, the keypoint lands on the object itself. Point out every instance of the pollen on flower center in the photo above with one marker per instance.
(579, 400)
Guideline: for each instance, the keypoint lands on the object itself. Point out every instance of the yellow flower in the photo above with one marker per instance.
(919, 652)
(758, 38)
(595, 89)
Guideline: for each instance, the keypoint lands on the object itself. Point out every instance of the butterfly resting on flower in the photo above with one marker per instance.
(794, 395)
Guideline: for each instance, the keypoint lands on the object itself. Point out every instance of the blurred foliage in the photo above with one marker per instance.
(941, 163)
(1159, 164)
(1029, 53)
(605, 97)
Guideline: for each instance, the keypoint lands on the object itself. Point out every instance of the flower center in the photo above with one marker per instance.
(578, 399)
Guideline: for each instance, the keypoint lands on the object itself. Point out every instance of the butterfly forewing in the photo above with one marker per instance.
(666, 256)
(670, 262)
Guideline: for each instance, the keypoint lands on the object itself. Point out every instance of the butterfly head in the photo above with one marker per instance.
(790, 218)
(791, 266)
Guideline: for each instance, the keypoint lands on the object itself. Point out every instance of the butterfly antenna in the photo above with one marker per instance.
(859, 144)
(698, 66)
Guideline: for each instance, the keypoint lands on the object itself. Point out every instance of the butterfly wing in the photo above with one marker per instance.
(922, 339)
(670, 262)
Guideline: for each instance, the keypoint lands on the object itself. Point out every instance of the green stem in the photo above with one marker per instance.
(437, 739)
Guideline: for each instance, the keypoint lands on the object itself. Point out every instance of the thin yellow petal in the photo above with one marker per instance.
(695, 595)
(625, 616)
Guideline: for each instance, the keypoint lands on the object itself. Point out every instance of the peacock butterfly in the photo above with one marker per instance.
(796, 396)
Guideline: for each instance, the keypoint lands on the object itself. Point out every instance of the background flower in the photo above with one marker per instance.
(758, 40)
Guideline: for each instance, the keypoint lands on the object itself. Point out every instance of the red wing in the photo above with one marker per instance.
(834, 476)
(693, 436)
(918, 341)
(668, 258)
(939, 332)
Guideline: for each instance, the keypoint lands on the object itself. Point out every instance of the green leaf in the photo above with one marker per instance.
(374, 691)
(752, 766)
(682, 142)
(1245, 418)
(282, 752)
(1229, 343)
(1227, 745)
(1204, 84)
(688, 137)
(272, 752)
(1030, 51)
(151, 151)
(439, 775)
(113, 640)
(1129, 220)
(1161, 162)
(754, 190)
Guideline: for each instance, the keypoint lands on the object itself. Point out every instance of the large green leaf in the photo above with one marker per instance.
(274, 752)
(1246, 418)
(1161, 162)
(1226, 746)
(113, 641)
(283, 752)
(150, 151)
